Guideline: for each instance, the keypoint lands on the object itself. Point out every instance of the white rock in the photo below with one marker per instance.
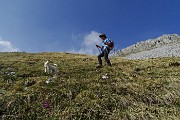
(48, 81)
(104, 77)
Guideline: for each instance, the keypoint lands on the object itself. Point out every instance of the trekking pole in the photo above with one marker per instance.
(99, 50)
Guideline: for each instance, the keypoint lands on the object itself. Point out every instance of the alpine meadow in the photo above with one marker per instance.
(147, 89)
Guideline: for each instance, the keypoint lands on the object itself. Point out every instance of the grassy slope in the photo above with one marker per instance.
(144, 89)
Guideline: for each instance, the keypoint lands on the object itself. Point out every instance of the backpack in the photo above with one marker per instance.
(111, 44)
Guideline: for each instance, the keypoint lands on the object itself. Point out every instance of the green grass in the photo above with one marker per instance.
(136, 89)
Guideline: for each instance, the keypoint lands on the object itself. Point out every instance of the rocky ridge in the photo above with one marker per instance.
(163, 46)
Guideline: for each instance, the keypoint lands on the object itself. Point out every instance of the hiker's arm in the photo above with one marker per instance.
(98, 46)
(106, 43)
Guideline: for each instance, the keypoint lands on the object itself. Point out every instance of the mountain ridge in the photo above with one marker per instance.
(163, 43)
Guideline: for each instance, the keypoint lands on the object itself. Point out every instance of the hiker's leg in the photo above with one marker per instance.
(106, 52)
(99, 58)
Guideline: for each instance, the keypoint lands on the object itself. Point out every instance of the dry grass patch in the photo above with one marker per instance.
(134, 89)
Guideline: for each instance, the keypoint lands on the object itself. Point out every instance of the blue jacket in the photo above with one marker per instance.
(104, 46)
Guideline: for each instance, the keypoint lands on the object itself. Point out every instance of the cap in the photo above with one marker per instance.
(102, 35)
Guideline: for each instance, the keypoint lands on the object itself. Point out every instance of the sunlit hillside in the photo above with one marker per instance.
(129, 90)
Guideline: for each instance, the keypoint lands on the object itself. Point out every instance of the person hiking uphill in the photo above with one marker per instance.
(105, 49)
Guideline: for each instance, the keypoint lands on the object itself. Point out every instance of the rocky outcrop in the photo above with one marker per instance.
(164, 46)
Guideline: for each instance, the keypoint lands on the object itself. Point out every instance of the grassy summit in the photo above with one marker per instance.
(134, 89)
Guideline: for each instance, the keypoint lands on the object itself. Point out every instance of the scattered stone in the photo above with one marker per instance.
(11, 73)
(9, 69)
(54, 76)
(30, 83)
(105, 77)
(49, 80)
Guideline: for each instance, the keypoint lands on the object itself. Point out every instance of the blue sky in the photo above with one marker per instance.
(74, 25)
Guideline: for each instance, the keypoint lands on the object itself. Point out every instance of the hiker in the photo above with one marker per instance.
(105, 49)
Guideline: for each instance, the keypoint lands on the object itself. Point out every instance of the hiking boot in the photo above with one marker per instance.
(99, 66)
(109, 64)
